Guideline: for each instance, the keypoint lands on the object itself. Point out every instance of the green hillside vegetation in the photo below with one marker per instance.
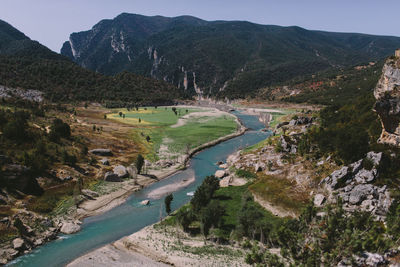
(308, 240)
(238, 56)
(156, 123)
(27, 64)
(338, 86)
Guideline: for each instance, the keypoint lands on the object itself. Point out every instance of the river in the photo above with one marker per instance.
(130, 216)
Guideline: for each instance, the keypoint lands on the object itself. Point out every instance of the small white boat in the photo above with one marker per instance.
(190, 194)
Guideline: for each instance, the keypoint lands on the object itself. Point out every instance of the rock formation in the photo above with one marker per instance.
(387, 94)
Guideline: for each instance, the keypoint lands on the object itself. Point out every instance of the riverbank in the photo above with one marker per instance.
(91, 207)
(110, 195)
(160, 245)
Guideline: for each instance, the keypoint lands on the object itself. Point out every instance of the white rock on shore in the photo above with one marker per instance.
(69, 228)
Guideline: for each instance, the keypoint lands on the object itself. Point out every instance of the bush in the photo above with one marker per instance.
(59, 129)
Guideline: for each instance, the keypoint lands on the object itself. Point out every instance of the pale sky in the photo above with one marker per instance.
(52, 21)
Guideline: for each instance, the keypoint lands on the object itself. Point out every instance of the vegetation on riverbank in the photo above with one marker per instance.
(168, 132)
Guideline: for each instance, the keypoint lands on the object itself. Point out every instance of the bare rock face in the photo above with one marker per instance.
(387, 106)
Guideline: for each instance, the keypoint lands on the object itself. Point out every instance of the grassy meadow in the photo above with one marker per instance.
(156, 123)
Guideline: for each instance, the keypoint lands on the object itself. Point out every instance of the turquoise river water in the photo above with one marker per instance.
(130, 216)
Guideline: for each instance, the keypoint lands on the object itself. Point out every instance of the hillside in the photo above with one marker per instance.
(28, 64)
(223, 58)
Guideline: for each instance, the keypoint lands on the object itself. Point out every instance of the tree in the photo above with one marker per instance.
(204, 193)
(59, 129)
(185, 217)
(120, 114)
(140, 120)
(105, 116)
(148, 139)
(139, 163)
(211, 216)
(168, 199)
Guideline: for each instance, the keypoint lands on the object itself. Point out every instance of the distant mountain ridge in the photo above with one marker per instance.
(223, 58)
(29, 65)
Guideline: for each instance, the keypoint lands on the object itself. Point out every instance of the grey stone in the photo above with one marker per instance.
(105, 162)
(365, 176)
(374, 259)
(120, 171)
(375, 157)
(368, 205)
(132, 171)
(319, 200)
(18, 243)
(356, 166)
(348, 188)
(360, 192)
(111, 177)
(101, 152)
(90, 193)
(337, 178)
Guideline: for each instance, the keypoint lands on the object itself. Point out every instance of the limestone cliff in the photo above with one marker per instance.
(387, 94)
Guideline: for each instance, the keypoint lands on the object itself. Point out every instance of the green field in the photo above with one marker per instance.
(174, 141)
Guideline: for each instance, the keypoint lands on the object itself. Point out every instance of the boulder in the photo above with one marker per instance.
(105, 162)
(69, 228)
(337, 178)
(360, 192)
(120, 171)
(90, 193)
(101, 152)
(145, 202)
(111, 177)
(18, 243)
(132, 171)
(373, 259)
(319, 199)
(365, 176)
(356, 166)
(220, 174)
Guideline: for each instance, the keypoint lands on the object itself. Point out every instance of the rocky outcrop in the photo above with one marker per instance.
(288, 144)
(19, 177)
(29, 95)
(354, 185)
(387, 106)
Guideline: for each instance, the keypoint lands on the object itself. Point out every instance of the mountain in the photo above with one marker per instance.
(28, 64)
(224, 58)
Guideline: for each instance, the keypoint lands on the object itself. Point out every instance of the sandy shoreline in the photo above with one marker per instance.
(157, 245)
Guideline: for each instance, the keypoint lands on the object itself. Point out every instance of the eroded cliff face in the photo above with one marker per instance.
(387, 94)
